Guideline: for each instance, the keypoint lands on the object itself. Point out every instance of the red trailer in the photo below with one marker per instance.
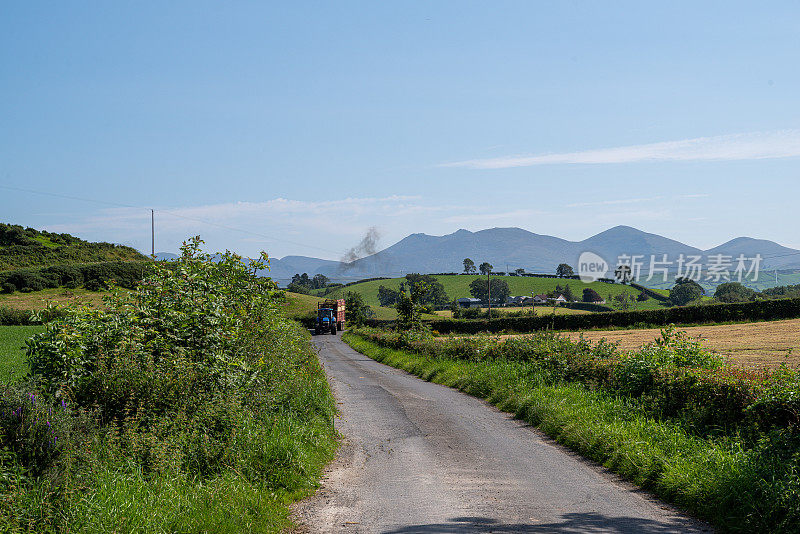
(337, 305)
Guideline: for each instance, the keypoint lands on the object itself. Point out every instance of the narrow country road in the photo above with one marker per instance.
(422, 458)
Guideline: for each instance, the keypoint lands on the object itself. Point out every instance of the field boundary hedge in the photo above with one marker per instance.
(713, 313)
(650, 293)
(587, 306)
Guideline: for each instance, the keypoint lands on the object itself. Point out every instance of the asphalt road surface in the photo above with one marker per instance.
(423, 458)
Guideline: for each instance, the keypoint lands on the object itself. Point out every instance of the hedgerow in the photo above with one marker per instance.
(193, 383)
(718, 313)
(673, 377)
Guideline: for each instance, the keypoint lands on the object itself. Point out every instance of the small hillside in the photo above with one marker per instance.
(22, 248)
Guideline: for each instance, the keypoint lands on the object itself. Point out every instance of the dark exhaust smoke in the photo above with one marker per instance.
(366, 247)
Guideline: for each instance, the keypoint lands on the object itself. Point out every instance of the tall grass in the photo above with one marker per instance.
(737, 486)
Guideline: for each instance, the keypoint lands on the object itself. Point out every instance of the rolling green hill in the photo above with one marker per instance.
(457, 286)
(22, 248)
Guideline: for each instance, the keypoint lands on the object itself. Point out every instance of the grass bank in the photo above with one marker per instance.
(739, 485)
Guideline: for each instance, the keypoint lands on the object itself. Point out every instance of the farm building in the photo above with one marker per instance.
(558, 299)
(540, 299)
(469, 303)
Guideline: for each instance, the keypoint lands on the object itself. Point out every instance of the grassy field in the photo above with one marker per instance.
(749, 345)
(298, 304)
(37, 300)
(12, 351)
(457, 286)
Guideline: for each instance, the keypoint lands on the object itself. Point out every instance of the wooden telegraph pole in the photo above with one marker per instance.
(152, 234)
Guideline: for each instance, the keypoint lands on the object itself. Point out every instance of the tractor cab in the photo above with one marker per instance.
(326, 321)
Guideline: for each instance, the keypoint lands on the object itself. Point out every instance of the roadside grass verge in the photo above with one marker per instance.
(738, 487)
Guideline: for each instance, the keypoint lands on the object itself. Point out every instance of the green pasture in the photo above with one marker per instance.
(12, 350)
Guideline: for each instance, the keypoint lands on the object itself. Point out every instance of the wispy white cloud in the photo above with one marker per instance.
(746, 146)
(511, 217)
(311, 227)
(613, 202)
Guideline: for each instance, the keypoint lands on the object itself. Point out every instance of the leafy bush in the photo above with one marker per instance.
(193, 377)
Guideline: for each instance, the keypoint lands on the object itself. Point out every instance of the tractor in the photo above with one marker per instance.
(330, 316)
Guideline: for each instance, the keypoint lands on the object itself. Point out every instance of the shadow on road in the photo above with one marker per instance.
(571, 523)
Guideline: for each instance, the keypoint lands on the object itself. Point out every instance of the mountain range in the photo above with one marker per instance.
(511, 248)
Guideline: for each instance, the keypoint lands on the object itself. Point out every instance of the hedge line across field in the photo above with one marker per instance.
(717, 313)
(650, 293)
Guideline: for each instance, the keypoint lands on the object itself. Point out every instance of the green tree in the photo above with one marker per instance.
(567, 292)
(302, 279)
(590, 295)
(426, 289)
(298, 288)
(486, 268)
(356, 311)
(564, 271)
(479, 289)
(319, 281)
(409, 310)
(469, 266)
(624, 300)
(455, 309)
(733, 292)
(643, 297)
(520, 271)
(387, 297)
(685, 291)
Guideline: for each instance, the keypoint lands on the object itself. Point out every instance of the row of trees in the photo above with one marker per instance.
(301, 283)
(562, 271)
(425, 289)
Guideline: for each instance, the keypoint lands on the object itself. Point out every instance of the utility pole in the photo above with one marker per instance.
(152, 234)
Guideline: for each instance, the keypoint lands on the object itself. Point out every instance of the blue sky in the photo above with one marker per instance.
(307, 123)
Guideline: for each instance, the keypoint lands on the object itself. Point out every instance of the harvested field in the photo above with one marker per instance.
(750, 345)
(38, 300)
